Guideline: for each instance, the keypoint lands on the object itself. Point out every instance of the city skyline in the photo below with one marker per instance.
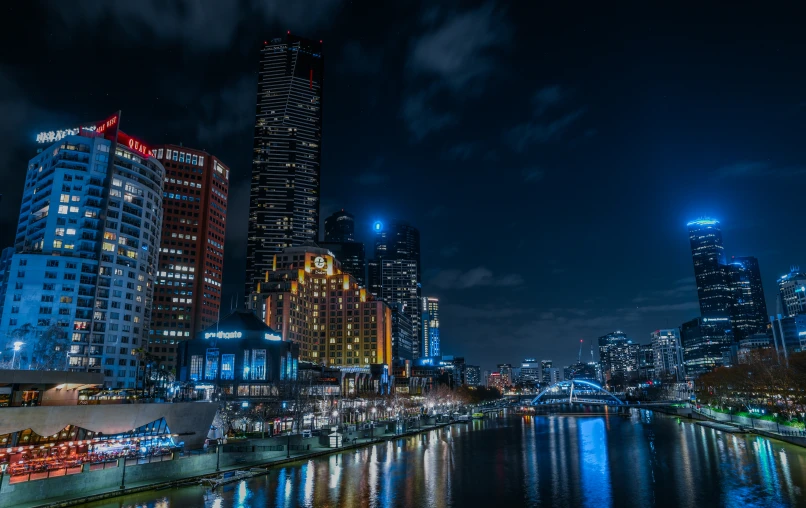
(560, 265)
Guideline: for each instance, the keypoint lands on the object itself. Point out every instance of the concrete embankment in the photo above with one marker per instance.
(105, 484)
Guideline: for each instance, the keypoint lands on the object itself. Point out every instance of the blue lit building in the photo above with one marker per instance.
(429, 341)
(748, 309)
(240, 356)
(85, 253)
(710, 272)
(704, 340)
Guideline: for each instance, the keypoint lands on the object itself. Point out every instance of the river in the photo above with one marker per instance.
(590, 461)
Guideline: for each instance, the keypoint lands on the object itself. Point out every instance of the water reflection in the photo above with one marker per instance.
(597, 460)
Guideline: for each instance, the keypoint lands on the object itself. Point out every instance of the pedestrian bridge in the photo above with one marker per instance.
(576, 391)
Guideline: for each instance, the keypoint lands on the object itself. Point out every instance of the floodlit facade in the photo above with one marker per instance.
(309, 299)
(708, 254)
(86, 250)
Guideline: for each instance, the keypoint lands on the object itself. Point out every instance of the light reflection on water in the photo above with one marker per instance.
(595, 461)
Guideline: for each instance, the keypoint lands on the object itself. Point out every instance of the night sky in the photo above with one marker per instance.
(550, 156)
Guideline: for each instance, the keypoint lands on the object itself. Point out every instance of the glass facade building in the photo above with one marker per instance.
(748, 309)
(707, 251)
(429, 340)
(668, 354)
(82, 276)
(619, 357)
(704, 340)
(792, 293)
(284, 193)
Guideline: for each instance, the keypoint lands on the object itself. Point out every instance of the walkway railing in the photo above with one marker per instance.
(751, 423)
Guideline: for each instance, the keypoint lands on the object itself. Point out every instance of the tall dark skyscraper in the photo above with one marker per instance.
(713, 288)
(284, 193)
(340, 240)
(394, 274)
(340, 227)
(748, 307)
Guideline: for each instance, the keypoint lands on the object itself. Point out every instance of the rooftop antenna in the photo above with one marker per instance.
(579, 355)
(592, 360)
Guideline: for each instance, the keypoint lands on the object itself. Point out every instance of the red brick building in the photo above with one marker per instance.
(187, 293)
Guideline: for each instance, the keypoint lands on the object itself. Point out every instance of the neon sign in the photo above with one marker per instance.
(110, 122)
(223, 335)
(272, 336)
(134, 144)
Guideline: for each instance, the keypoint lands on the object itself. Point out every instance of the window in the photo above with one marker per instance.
(259, 364)
(211, 365)
(227, 366)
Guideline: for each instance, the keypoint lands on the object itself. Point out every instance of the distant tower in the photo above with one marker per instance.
(748, 306)
(707, 252)
(340, 227)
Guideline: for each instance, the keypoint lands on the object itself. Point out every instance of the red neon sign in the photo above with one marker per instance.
(110, 122)
(134, 144)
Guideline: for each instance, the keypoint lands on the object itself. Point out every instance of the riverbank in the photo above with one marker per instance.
(735, 424)
(229, 461)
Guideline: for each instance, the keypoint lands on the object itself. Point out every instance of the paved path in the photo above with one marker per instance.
(274, 460)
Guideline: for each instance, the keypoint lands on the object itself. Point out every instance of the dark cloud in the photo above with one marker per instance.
(758, 169)
(541, 130)
(421, 117)
(460, 151)
(369, 178)
(201, 25)
(228, 111)
(475, 277)
(532, 175)
(358, 59)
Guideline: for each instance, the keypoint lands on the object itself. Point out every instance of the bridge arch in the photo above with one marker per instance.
(572, 383)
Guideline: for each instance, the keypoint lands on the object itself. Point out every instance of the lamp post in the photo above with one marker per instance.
(17, 346)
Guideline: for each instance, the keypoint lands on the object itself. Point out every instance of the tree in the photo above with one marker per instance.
(50, 350)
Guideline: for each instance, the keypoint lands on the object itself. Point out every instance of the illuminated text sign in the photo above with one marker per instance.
(223, 335)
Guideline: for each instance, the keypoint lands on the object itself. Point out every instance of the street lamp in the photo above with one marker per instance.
(17, 346)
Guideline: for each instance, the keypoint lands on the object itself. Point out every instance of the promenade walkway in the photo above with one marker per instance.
(230, 462)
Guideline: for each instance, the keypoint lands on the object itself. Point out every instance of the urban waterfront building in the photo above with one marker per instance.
(645, 362)
(792, 293)
(284, 195)
(340, 227)
(545, 368)
(402, 333)
(86, 247)
(618, 356)
(472, 375)
(494, 380)
(5, 267)
(187, 296)
(583, 371)
(531, 372)
(309, 299)
(710, 273)
(668, 354)
(789, 334)
(748, 309)
(506, 374)
(430, 327)
(704, 339)
(393, 275)
(240, 357)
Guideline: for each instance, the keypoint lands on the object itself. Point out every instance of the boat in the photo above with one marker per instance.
(228, 477)
(463, 418)
(478, 416)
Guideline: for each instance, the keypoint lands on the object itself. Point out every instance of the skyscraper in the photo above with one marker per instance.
(704, 340)
(713, 288)
(668, 354)
(187, 295)
(545, 370)
(792, 293)
(748, 309)
(394, 274)
(430, 327)
(340, 227)
(340, 239)
(618, 356)
(284, 191)
(82, 275)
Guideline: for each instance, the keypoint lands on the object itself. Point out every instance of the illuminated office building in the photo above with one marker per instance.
(86, 248)
(309, 299)
(187, 296)
(472, 375)
(668, 354)
(618, 356)
(704, 340)
(710, 272)
(792, 293)
(748, 309)
(430, 327)
(394, 273)
(284, 191)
